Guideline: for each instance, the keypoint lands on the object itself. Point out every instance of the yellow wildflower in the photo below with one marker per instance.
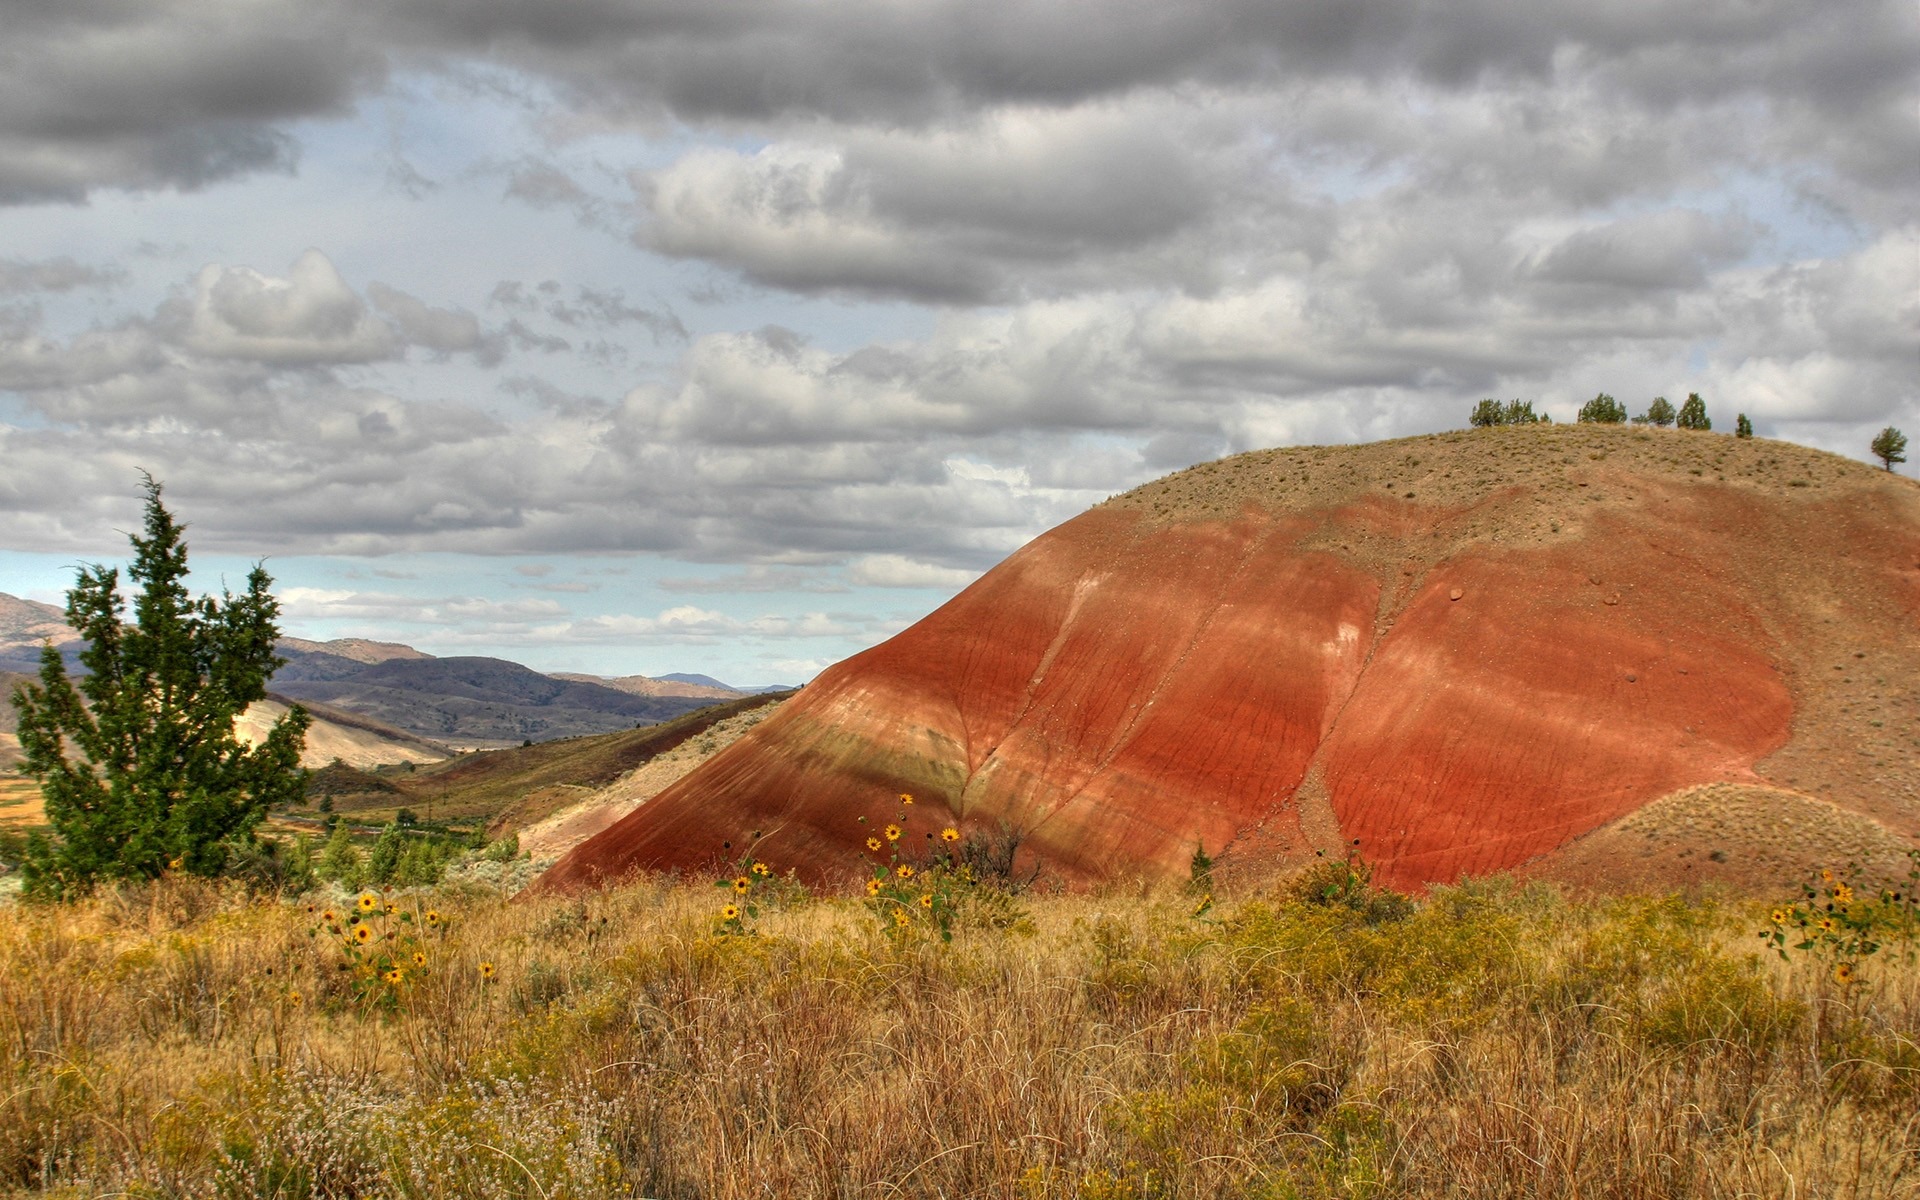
(873, 887)
(926, 900)
(873, 843)
(949, 834)
(893, 833)
(394, 976)
(904, 871)
(369, 902)
(362, 934)
(1843, 973)
(419, 958)
(900, 916)
(1779, 916)
(730, 913)
(486, 970)
(433, 916)
(1843, 894)
(761, 869)
(742, 884)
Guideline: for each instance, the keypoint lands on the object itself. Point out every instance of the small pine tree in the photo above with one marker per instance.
(1693, 414)
(1603, 410)
(1659, 413)
(384, 859)
(1742, 428)
(1518, 412)
(139, 764)
(339, 860)
(1487, 414)
(1890, 447)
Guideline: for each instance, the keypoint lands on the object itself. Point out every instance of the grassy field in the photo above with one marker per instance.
(1490, 1041)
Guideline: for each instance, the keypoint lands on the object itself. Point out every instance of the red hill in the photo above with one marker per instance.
(1613, 655)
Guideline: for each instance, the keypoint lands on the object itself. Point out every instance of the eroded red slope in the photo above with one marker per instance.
(1460, 699)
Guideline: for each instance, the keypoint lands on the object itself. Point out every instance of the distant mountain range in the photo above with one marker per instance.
(463, 701)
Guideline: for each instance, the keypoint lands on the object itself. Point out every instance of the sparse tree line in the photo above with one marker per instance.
(1889, 445)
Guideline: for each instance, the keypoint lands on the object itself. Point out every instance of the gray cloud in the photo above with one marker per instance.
(61, 274)
(1141, 234)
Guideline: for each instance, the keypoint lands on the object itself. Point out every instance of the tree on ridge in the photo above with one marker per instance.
(1890, 447)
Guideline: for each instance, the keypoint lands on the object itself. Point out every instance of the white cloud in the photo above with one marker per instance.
(309, 316)
(899, 571)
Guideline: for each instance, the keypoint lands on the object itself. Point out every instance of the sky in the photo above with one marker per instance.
(732, 338)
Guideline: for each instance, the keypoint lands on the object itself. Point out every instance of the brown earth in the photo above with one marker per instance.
(1471, 652)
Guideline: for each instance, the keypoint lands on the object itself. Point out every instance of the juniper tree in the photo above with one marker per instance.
(1660, 412)
(138, 760)
(1742, 428)
(1603, 410)
(1693, 414)
(1890, 447)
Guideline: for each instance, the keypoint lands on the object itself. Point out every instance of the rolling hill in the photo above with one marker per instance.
(1616, 656)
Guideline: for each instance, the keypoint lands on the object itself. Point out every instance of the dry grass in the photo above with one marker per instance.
(1499, 1041)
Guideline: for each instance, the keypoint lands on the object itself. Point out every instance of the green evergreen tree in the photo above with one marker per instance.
(1603, 410)
(1693, 414)
(1742, 428)
(1890, 447)
(1518, 412)
(1660, 412)
(384, 859)
(1487, 414)
(338, 859)
(157, 779)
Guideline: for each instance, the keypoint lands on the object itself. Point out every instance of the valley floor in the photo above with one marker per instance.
(1493, 1040)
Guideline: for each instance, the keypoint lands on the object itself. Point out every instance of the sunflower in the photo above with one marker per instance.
(873, 887)
(293, 998)
(394, 976)
(742, 885)
(873, 843)
(329, 917)
(1779, 916)
(893, 833)
(1843, 973)
(1826, 925)
(730, 913)
(761, 869)
(419, 958)
(900, 916)
(369, 902)
(903, 871)
(433, 916)
(1843, 895)
(362, 934)
(949, 834)
(926, 900)
(486, 970)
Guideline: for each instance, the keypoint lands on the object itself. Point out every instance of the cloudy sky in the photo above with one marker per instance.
(731, 336)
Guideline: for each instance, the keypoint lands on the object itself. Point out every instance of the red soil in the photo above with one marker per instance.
(1462, 698)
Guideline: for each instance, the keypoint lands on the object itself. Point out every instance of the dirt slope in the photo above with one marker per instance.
(1471, 652)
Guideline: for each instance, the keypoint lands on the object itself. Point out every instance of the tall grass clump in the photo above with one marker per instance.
(1321, 1039)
